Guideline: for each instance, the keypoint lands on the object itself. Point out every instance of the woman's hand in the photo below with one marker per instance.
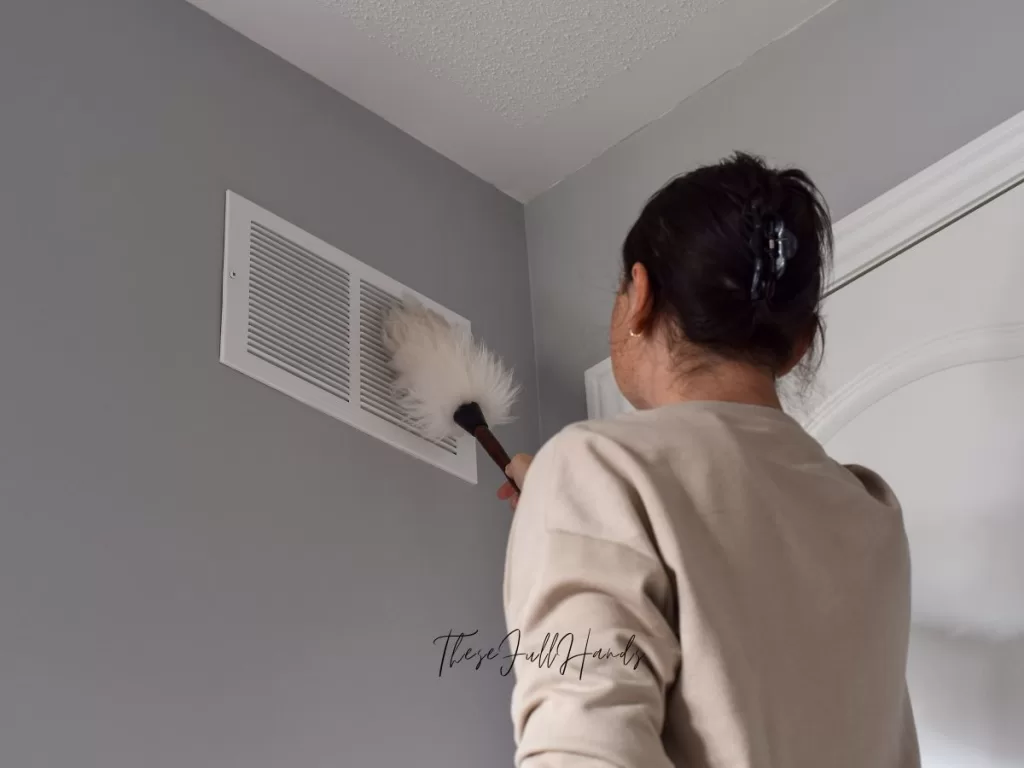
(517, 471)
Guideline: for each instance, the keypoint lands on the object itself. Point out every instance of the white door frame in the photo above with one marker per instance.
(891, 223)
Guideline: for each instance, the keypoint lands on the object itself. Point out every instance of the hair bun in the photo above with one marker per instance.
(736, 254)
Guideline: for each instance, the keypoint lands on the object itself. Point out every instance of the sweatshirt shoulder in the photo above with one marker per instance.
(875, 485)
(581, 439)
(619, 442)
(587, 482)
(630, 449)
(645, 432)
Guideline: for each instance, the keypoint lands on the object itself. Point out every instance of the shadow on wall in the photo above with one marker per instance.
(968, 693)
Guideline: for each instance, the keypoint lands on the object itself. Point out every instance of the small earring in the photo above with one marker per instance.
(634, 334)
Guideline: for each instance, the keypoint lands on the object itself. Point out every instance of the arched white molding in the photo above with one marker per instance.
(977, 345)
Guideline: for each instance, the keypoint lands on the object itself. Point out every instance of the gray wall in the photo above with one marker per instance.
(863, 96)
(194, 569)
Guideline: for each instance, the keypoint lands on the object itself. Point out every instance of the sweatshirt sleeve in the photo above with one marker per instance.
(587, 601)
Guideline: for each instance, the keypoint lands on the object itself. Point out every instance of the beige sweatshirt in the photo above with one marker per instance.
(716, 591)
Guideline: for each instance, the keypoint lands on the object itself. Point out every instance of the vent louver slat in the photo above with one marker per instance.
(295, 304)
(307, 319)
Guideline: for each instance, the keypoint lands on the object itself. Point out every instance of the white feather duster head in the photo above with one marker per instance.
(440, 367)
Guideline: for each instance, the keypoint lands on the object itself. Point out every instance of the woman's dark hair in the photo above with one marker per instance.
(737, 256)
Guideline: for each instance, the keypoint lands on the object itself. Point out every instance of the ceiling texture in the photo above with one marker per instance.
(520, 92)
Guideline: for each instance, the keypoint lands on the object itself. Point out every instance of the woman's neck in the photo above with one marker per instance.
(723, 381)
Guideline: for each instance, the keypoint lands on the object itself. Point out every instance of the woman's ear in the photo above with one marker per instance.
(641, 299)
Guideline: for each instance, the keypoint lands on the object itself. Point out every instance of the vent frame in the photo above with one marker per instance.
(318, 384)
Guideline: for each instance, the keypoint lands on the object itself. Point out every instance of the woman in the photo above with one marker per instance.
(724, 594)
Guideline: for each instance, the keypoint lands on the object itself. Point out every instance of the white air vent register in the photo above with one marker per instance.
(306, 319)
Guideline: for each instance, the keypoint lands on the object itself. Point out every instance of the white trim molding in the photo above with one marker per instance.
(891, 223)
(925, 203)
(977, 345)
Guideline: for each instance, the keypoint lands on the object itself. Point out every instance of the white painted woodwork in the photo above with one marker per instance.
(922, 381)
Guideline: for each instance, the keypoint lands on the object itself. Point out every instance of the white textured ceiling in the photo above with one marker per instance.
(523, 60)
(520, 92)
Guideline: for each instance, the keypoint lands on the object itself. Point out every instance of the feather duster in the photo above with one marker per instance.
(446, 380)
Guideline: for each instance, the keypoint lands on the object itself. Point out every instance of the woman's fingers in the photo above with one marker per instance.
(518, 467)
(509, 494)
(516, 470)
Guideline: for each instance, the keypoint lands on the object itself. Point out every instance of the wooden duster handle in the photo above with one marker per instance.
(490, 444)
(470, 417)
